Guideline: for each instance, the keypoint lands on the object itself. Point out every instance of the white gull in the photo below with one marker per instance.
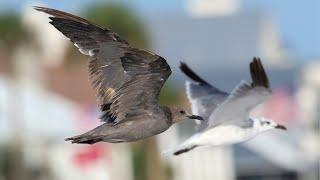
(227, 119)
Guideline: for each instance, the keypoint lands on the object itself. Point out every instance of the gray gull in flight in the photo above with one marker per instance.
(127, 81)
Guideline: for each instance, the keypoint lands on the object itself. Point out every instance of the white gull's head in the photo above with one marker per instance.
(264, 124)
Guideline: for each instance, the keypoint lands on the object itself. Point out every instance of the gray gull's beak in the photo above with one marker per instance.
(195, 117)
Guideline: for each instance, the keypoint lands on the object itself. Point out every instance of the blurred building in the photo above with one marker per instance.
(223, 42)
(220, 47)
(309, 98)
(205, 8)
(40, 120)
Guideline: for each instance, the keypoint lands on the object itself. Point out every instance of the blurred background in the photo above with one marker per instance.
(45, 94)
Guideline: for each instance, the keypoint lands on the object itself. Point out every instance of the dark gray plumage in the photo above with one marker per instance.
(127, 81)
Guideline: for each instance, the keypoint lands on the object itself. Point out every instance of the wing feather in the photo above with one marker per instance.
(236, 108)
(204, 97)
(126, 79)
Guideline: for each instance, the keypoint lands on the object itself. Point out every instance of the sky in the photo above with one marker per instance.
(297, 21)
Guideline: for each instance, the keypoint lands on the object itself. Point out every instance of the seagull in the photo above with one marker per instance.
(127, 82)
(226, 116)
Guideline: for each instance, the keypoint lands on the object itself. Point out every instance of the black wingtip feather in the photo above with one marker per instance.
(38, 8)
(258, 74)
(63, 15)
(181, 151)
(192, 75)
(42, 9)
(83, 140)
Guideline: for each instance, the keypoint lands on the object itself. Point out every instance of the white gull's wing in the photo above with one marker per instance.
(203, 97)
(236, 108)
(204, 106)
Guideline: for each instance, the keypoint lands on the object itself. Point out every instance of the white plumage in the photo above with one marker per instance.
(228, 120)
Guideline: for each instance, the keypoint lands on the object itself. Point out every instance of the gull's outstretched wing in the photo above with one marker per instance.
(203, 97)
(236, 108)
(127, 80)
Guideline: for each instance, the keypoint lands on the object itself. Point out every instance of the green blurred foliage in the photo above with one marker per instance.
(120, 19)
(12, 31)
(4, 160)
(139, 161)
(169, 95)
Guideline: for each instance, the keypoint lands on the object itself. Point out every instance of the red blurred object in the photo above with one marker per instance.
(88, 156)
